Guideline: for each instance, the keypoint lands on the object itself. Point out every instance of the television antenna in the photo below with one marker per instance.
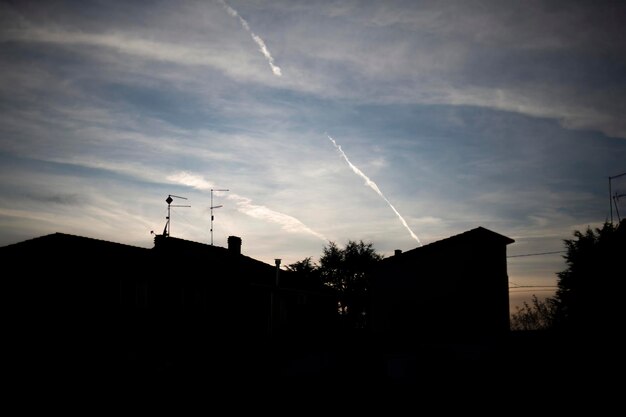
(612, 198)
(214, 207)
(168, 228)
(616, 198)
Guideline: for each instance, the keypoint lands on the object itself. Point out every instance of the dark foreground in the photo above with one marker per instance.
(538, 359)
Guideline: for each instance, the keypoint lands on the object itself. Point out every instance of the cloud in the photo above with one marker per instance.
(64, 199)
(531, 60)
(288, 223)
(191, 180)
(245, 205)
(140, 48)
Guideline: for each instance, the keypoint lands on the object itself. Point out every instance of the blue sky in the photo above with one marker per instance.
(506, 115)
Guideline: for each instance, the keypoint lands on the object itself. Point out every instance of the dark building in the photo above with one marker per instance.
(94, 308)
(83, 304)
(452, 289)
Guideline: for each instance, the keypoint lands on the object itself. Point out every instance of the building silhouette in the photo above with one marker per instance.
(455, 288)
(182, 305)
(94, 307)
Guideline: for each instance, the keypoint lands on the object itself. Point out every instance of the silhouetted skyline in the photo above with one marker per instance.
(184, 308)
(186, 311)
(505, 116)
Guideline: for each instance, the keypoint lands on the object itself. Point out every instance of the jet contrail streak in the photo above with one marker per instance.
(374, 187)
(257, 39)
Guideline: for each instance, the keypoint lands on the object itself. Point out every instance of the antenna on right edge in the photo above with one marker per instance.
(169, 200)
(612, 198)
(616, 198)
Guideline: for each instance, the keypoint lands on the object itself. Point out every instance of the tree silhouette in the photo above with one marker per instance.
(348, 272)
(538, 315)
(307, 271)
(589, 296)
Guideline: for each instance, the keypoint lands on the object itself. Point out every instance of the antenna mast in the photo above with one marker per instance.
(214, 207)
(616, 198)
(169, 200)
(611, 197)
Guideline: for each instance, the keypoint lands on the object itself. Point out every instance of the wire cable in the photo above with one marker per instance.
(536, 254)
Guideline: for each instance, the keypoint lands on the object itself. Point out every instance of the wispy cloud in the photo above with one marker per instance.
(245, 205)
(140, 51)
(64, 199)
(121, 42)
(190, 180)
(374, 187)
(262, 47)
(288, 223)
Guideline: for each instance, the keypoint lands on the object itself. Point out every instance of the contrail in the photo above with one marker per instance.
(262, 47)
(374, 187)
(244, 205)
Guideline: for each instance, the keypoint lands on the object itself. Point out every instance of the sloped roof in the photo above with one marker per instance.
(58, 241)
(201, 249)
(476, 236)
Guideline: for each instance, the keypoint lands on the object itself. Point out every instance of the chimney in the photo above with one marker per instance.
(397, 252)
(159, 240)
(234, 245)
(277, 262)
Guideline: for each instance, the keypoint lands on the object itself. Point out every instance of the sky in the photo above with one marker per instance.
(398, 123)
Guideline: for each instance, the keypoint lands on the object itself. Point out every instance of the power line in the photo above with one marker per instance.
(516, 285)
(610, 196)
(536, 254)
(535, 286)
(537, 290)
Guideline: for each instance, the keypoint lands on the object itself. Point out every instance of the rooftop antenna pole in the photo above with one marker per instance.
(616, 198)
(168, 228)
(611, 200)
(214, 207)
